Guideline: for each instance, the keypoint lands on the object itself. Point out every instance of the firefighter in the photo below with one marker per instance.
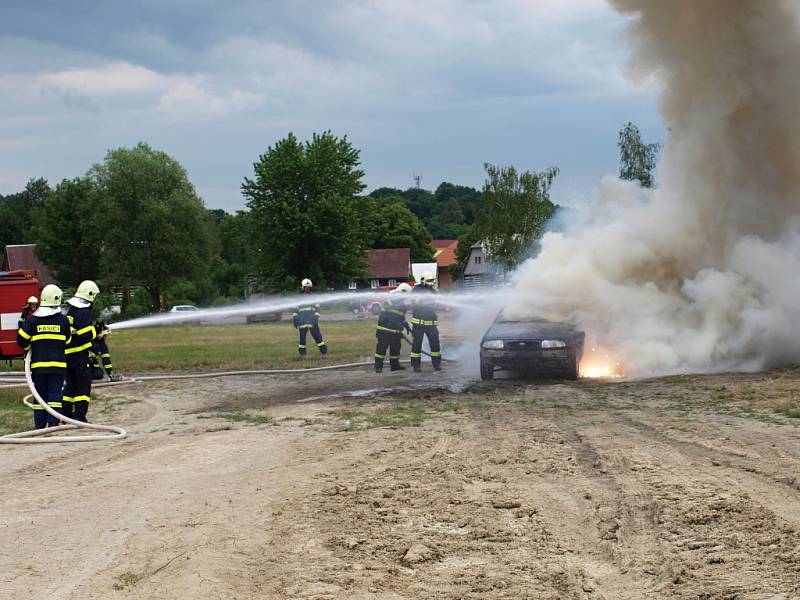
(391, 323)
(46, 333)
(306, 318)
(78, 389)
(425, 322)
(99, 354)
(30, 308)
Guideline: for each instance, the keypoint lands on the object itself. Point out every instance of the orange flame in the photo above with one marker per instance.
(599, 363)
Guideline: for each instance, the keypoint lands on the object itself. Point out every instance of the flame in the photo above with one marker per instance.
(600, 364)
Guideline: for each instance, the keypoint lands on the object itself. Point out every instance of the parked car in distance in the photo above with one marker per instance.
(532, 346)
(180, 308)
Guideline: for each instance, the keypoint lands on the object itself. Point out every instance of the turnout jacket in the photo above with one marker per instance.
(424, 301)
(80, 319)
(26, 312)
(46, 338)
(306, 315)
(393, 316)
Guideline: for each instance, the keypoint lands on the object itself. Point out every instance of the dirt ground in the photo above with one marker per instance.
(269, 487)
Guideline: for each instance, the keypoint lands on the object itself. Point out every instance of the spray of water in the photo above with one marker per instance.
(702, 273)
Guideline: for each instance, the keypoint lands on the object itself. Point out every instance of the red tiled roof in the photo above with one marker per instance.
(22, 256)
(389, 263)
(445, 252)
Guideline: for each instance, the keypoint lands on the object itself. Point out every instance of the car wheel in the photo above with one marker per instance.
(487, 372)
(573, 370)
(376, 309)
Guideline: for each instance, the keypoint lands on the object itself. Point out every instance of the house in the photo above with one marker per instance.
(386, 267)
(478, 271)
(444, 252)
(23, 257)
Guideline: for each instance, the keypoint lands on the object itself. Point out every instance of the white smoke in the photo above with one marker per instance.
(703, 273)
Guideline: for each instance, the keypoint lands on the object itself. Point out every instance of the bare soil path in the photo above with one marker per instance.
(676, 488)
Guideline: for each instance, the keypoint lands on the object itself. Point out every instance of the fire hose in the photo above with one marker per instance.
(117, 433)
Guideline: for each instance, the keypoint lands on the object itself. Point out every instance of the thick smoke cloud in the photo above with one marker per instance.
(703, 273)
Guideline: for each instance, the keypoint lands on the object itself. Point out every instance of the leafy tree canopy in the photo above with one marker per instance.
(637, 160)
(307, 211)
(392, 225)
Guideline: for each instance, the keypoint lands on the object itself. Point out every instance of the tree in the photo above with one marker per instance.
(16, 209)
(69, 231)
(637, 159)
(156, 231)
(392, 225)
(514, 211)
(229, 271)
(307, 211)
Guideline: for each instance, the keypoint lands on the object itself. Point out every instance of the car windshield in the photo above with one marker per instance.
(503, 318)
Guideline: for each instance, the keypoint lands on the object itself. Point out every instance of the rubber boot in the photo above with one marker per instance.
(378, 365)
(396, 366)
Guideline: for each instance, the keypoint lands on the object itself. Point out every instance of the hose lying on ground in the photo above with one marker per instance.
(32, 436)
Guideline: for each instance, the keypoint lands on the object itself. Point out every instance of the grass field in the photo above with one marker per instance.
(236, 347)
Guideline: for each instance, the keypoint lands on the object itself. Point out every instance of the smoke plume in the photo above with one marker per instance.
(702, 273)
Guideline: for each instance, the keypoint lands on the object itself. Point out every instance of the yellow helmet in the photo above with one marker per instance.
(87, 290)
(427, 278)
(33, 300)
(306, 283)
(403, 288)
(52, 296)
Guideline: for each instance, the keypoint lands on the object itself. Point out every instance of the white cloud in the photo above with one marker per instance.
(189, 99)
(112, 78)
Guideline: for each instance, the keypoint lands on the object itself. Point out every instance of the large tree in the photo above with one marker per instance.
(637, 160)
(392, 225)
(156, 230)
(514, 210)
(69, 230)
(307, 212)
(16, 210)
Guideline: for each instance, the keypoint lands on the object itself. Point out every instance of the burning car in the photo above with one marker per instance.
(531, 346)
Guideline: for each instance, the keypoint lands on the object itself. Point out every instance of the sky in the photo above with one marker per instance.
(434, 88)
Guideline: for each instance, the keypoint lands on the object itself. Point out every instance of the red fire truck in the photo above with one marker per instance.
(15, 289)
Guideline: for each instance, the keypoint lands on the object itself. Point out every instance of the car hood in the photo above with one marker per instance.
(531, 330)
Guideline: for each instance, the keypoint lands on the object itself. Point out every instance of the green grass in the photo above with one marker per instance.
(126, 580)
(236, 347)
(14, 416)
(241, 418)
(393, 416)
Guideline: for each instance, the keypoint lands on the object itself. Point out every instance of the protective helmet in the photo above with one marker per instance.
(33, 300)
(306, 283)
(52, 296)
(87, 290)
(427, 278)
(403, 288)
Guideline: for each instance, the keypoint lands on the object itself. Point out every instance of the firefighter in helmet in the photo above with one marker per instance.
(391, 323)
(30, 308)
(78, 389)
(99, 356)
(306, 319)
(425, 322)
(45, 334)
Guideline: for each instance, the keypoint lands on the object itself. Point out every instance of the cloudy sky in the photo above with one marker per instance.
(428, 87)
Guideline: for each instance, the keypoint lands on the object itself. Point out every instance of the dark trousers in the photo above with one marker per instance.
(49, 387)
(419, 333)
(78, 389)
(316, 334)
(392, 342)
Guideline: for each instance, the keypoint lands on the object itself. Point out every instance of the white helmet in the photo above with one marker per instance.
(403, 288)
(306, 283)
(33, 300)
(51, 296)
(87, 290)
(427, 278)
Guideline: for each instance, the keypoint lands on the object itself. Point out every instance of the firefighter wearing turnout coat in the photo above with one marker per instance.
(78, 389)
(425, 322)
(45, 333)
(29, 309)
(306, 319)
(99, 355)
(391, 323)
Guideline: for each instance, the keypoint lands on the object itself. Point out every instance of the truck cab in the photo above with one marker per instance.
(15, 289)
